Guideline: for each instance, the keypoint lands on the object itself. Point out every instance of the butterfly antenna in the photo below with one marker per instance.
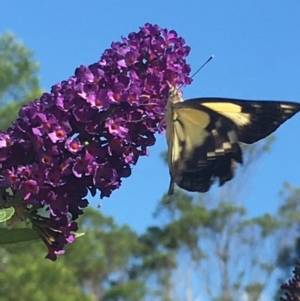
(208, 60)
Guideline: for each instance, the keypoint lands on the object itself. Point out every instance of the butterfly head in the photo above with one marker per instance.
(175, 94)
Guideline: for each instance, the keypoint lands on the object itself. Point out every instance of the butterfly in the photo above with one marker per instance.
(204, 135)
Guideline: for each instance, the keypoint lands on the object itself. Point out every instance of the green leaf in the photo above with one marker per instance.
(6, 214)
(13, 236)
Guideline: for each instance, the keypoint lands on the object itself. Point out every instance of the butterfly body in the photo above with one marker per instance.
(204, 136)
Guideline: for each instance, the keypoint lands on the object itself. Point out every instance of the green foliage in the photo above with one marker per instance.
(115, 263)
(19, 83)
(109, 263)
(102, 254)
(97, 265)
(27, 276)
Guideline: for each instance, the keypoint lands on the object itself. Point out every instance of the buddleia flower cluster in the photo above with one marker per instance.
(86, 133)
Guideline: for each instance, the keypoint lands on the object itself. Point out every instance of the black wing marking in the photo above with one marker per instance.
(255, 120)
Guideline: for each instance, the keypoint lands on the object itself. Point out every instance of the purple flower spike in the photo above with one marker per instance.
(87, 132)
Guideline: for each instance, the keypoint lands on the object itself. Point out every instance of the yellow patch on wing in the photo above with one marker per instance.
(230, 110)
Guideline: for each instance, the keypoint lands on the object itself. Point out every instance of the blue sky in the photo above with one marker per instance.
(256, 46)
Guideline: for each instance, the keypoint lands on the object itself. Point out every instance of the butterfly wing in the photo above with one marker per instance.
(203, 146)
(255, 119)
(205, 134)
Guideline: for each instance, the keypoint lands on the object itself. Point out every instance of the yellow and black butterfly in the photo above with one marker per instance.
(203, 135)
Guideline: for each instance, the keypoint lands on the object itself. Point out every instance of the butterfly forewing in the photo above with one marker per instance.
(255, 119)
